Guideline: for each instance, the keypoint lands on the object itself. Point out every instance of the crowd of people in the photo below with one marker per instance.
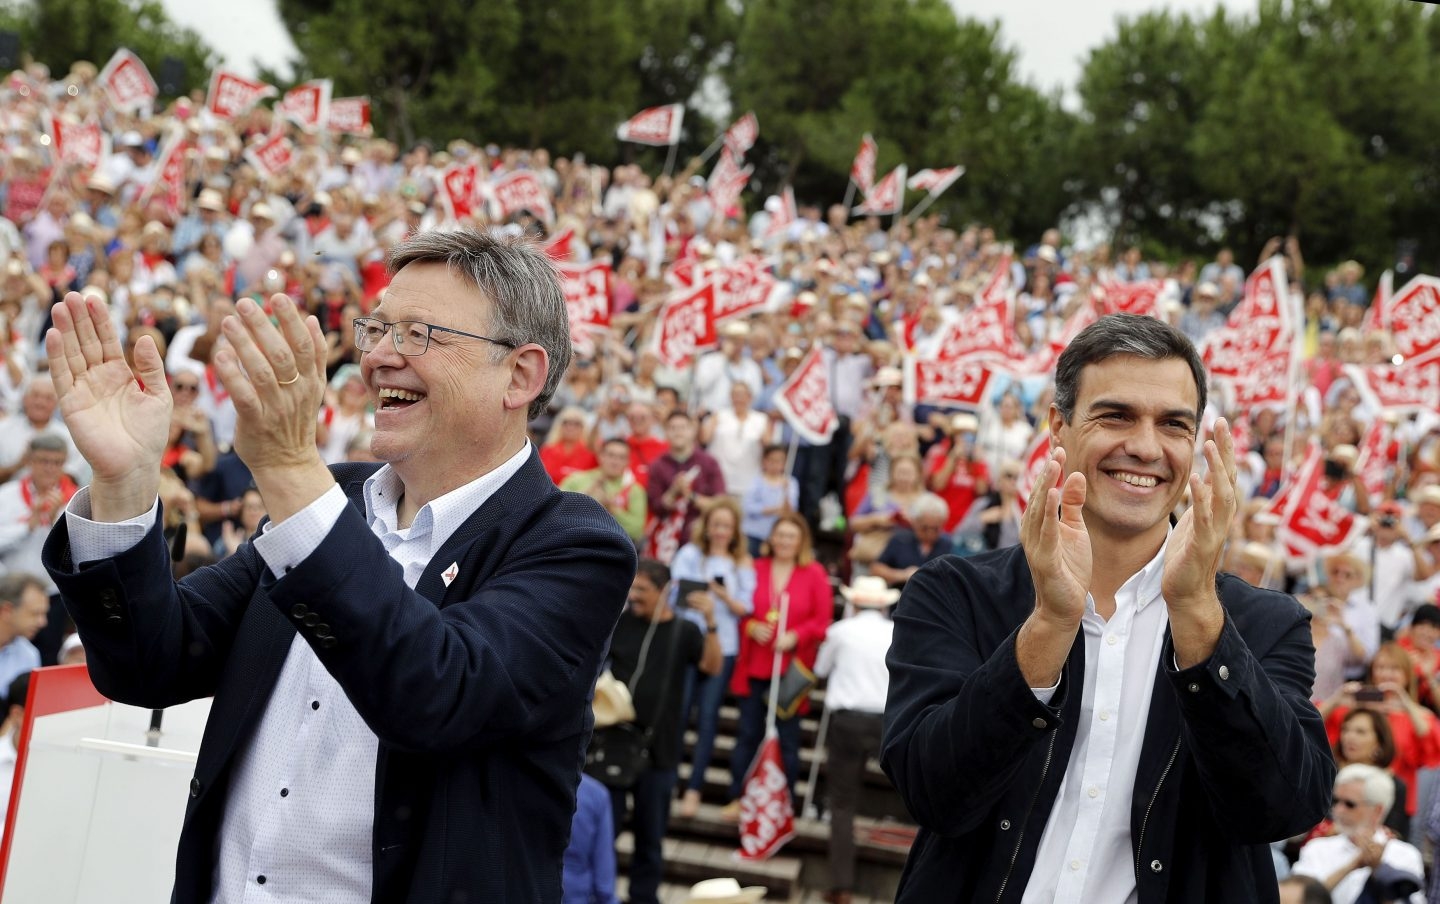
(698, 466)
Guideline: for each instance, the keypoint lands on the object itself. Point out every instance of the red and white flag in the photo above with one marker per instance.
(559, 247)
(169, 181)
(307, 104)
(958, 382)
(458, 190)
(349, 115)
(127, 82)
(935, 181)
(1377, 317)
(1085, 314)
(727, 181)
(744, 287)
(273, 155)
(1311, 522)
(1034, 462)
(685, 326)
(887, 197)
(1413, 315)
(522, 190)
(658, 126)
(1411, 386)
(741, 135)
(787, 214)
(1261, 322)
(688, 272)
(767, 815)
(862, 171)
(83, 143)
(1266, 381)
(1141, 298)
(1374, 462)
(804, 399)
(232, 95)
(587, 301)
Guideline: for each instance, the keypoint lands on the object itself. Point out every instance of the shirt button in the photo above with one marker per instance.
(1004, 825)
(284, 792)
(1156, 866)
(1039, 722)
(314, 704)
(260, 880)
(1074, 864)
(300, 610)
(1224, 676)
(1105, 716)
(1094, 792)
(1193, 688)
(194, 787)
(1112, 640)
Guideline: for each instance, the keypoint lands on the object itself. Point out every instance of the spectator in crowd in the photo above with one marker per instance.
(235, 531)
(735, 436)
(717, 371)
(718, 559)
(788, 578)
(24, 609)
(503, 672)
(880, 514)
(770, 493)
(612, 485)
(1391, 678)
(39, 406)
(1102, 601)
(1419, 642)
(565, 450)
(1348, 605)
(994, 521)
(1365, 738)
(1222, 266)
(650, 652)
(1006, 437)
(1361, 859)
(345, 415)
(1203, 317)
(589, 875)
(852, 660)
(1393, 562)
(956, 471)
(911, 547)
(682, 482)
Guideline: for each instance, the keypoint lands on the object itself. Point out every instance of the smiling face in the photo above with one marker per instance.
(1132, 435)
(442, 413)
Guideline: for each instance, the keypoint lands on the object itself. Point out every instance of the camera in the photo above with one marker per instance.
(1386, 521)
(1334, 469)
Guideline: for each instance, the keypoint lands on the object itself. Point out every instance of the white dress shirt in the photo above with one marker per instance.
(852, 658)
(1320, 858)
(1086, 852)
(300, 814)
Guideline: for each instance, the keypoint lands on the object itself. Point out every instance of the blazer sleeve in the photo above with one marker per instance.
(1258, 742)
(960, 719)
(516, 658)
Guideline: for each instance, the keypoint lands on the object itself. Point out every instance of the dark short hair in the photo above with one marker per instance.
(1312, 890)
(678, 413)
(1123, 334)
(616, 440)
(1428, 614)
(13, 585)
(654, 570)
(527, 303)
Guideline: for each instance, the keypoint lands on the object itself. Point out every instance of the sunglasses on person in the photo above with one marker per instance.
(1338, 801)
(185, 387)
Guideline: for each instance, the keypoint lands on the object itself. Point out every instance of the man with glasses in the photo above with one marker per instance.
(1361, 858)
(402, 657)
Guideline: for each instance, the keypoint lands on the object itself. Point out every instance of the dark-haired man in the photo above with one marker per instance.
(1096, 714)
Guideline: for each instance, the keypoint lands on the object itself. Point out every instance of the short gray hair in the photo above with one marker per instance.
(527, 302)
(12, 586)
(1124, 334)
(1379, 786)
(48, 442)
(930, 504)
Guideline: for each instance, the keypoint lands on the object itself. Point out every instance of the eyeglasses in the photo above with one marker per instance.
(185, 387)
(1339, 801)
(411, 337)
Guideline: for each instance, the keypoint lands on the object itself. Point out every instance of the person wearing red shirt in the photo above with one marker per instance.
(645, 445)
(565, 452)
(789, 574)
(952, 471)
(1420, 640)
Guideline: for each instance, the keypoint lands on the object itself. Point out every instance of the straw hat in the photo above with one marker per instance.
(870, 591)
(612, 704)
(964, 423)
(1428, 495)
(888, 376)
(723, 891)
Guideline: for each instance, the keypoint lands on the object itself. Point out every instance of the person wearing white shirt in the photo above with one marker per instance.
(1361, 856)
(401, 658)
(1100, 714)
(852, 660)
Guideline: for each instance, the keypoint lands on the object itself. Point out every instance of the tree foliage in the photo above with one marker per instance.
(60, 32)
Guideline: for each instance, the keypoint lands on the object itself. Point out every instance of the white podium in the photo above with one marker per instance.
(98, 799)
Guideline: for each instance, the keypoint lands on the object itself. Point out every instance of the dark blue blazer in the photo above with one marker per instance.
(1234, 753)
(477, 691)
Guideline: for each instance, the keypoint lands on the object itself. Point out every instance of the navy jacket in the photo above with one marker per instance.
(1234, 754)
(477, 691)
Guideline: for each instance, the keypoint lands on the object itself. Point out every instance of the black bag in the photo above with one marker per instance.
(796, 682)
(618, 754)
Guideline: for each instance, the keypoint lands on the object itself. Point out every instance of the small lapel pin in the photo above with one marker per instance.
(448, 575)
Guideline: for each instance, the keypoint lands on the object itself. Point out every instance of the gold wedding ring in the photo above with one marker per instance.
(289, 381)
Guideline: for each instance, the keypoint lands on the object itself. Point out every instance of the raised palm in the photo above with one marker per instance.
(1057, 543)
(119, 427)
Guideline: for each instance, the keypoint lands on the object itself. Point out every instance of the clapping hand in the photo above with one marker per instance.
(1057, 544)
(1192, 559)
(118, 419)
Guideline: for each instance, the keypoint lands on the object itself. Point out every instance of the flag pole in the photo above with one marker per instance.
(714, 146)
(921, 207)
(899, 199)
(849, 196)
(792, 453)
(775, 666)
(1292, 398)
(806, 809)
(670, 159)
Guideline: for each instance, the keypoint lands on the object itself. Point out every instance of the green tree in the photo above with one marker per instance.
(60, 32)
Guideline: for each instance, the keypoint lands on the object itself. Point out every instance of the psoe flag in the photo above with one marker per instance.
(127, 82)
(658, 126)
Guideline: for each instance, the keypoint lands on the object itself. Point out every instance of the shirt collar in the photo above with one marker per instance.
(440, 517)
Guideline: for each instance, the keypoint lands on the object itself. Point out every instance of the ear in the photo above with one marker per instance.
(527, 377)
(1057, 420)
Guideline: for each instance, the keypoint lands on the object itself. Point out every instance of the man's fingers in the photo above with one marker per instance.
(88, 339)
(262, 350)
(318, 343)
(150, 367)
(59, 367)
(237, 382)
(1072, 500)
(64, 315)
(296, 333)
(110, 349)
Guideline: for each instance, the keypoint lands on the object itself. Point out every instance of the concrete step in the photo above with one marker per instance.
(688, 861)
(880, 841)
